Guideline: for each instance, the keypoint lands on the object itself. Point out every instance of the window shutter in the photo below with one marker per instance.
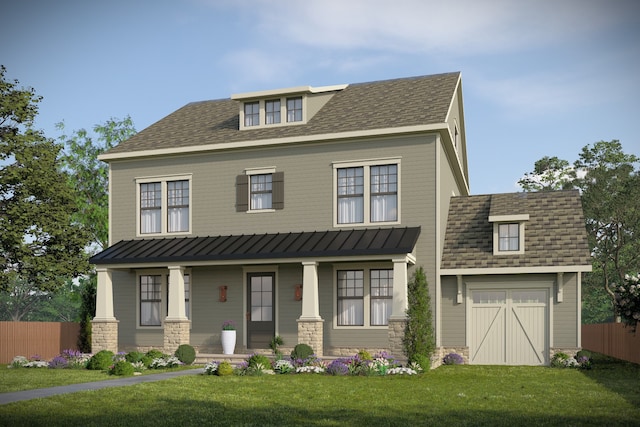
(242, 193)
(278, 190)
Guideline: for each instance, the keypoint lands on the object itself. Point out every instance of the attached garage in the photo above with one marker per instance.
(508, 326)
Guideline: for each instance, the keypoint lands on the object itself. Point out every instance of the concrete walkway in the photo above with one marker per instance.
(97, 385)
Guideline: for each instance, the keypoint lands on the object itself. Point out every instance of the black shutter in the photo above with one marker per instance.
(242, 193)
(278, 190)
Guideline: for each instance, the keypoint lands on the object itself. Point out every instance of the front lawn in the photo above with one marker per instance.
(461, 395)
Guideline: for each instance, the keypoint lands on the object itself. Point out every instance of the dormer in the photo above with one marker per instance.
(508, 218)
(282, 107)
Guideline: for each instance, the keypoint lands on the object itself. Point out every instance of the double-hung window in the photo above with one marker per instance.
(367, 193)
(272, 111)
(164, 205)
(364, 297)
(261, 191)
(294, 109)
(150, 300)
(251, 114)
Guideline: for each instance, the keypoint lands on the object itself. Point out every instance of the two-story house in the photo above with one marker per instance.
(302, 213)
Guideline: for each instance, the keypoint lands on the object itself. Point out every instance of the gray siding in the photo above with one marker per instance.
(453, 314)
(565, 314)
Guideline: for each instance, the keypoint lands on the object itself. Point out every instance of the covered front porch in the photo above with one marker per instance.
(193, 270)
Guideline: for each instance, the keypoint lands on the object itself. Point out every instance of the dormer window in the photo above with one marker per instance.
(294, 109)
(508, 233)
(251, 113)
(272, 111)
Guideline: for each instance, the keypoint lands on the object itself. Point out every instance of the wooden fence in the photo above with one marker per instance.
(46, 339)
(612, 339)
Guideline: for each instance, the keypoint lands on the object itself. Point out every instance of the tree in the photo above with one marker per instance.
(549, 173)
(40, 244)
(418, 341)
(89, 176)
(610, 187)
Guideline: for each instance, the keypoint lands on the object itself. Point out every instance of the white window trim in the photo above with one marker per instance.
(496, 238)
(366, 164)
(283, 112)
(258, 171)
(366, 268)
(164, 287)
(163, 179)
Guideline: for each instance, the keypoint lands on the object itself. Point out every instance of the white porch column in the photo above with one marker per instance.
(176, 309)
(104, 296)
(310, 299)
(400, 294)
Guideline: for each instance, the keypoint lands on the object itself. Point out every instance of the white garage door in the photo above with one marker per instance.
(509, 327)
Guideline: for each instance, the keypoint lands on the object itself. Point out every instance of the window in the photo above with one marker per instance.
(381, 296)
(350, 195)
(164, 205)
(178, 206)
(252, 114)
(150, 207)
(366, 194)
(261, 191)
(294, 109)
(150, 300)
(272, 111)
(351, 298)
(509, 237)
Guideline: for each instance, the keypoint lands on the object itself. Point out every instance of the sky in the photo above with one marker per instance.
(539, 77)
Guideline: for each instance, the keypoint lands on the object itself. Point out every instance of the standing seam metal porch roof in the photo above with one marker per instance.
(315, 244)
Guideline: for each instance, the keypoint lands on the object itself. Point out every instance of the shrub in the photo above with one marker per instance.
(418, 337)
(275, 342)
(560, 360)
(453, 359)
(224, 369)
(165, 362)
(364, 355)
(337, 367)
(155, 354)
(258, 359)
(301, 352)
(421, 361)
(122, 368)
(134, 356)
(585, 353)
(211, 368)
(58, 362)
(101, 361)
(186, 354)
(283, 366)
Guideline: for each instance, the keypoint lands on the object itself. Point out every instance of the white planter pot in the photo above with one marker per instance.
(228, 339)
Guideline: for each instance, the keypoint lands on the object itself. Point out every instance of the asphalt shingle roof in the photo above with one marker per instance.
(555, 233)
(363, 106)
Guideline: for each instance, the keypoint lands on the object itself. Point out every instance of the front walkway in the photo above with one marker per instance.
(97, 385)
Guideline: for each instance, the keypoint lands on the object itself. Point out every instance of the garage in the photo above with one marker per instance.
(508, 326)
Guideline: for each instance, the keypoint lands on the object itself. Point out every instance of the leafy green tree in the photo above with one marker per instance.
(40, 244)
(88, 286)
(610, 187)
(418, 341)
(89, 176)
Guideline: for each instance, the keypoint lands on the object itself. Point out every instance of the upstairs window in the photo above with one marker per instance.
(272, 111)
(509, 237)
(261, 191)
(164, 205)
(294, 109)
(367, 194)
(252, 114)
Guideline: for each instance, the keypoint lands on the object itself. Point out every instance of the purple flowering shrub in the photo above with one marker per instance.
(453, 359)
(338, 367)
(58, 362)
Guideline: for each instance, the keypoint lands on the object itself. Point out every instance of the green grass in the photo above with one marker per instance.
(450, 395)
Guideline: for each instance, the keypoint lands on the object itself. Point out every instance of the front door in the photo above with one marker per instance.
(261, 325)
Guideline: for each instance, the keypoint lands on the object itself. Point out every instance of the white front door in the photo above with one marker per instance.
(509, 327)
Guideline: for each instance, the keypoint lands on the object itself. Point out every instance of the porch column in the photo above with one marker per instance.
(176, 324)
(310, 324)
(398, 317)
(104, 326)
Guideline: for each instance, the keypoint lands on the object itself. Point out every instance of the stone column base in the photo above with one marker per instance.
(176, 332)
(104, 335)
(310, 332)
(396, 335)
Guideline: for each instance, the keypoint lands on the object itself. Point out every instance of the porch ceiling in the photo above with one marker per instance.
(315, 244)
